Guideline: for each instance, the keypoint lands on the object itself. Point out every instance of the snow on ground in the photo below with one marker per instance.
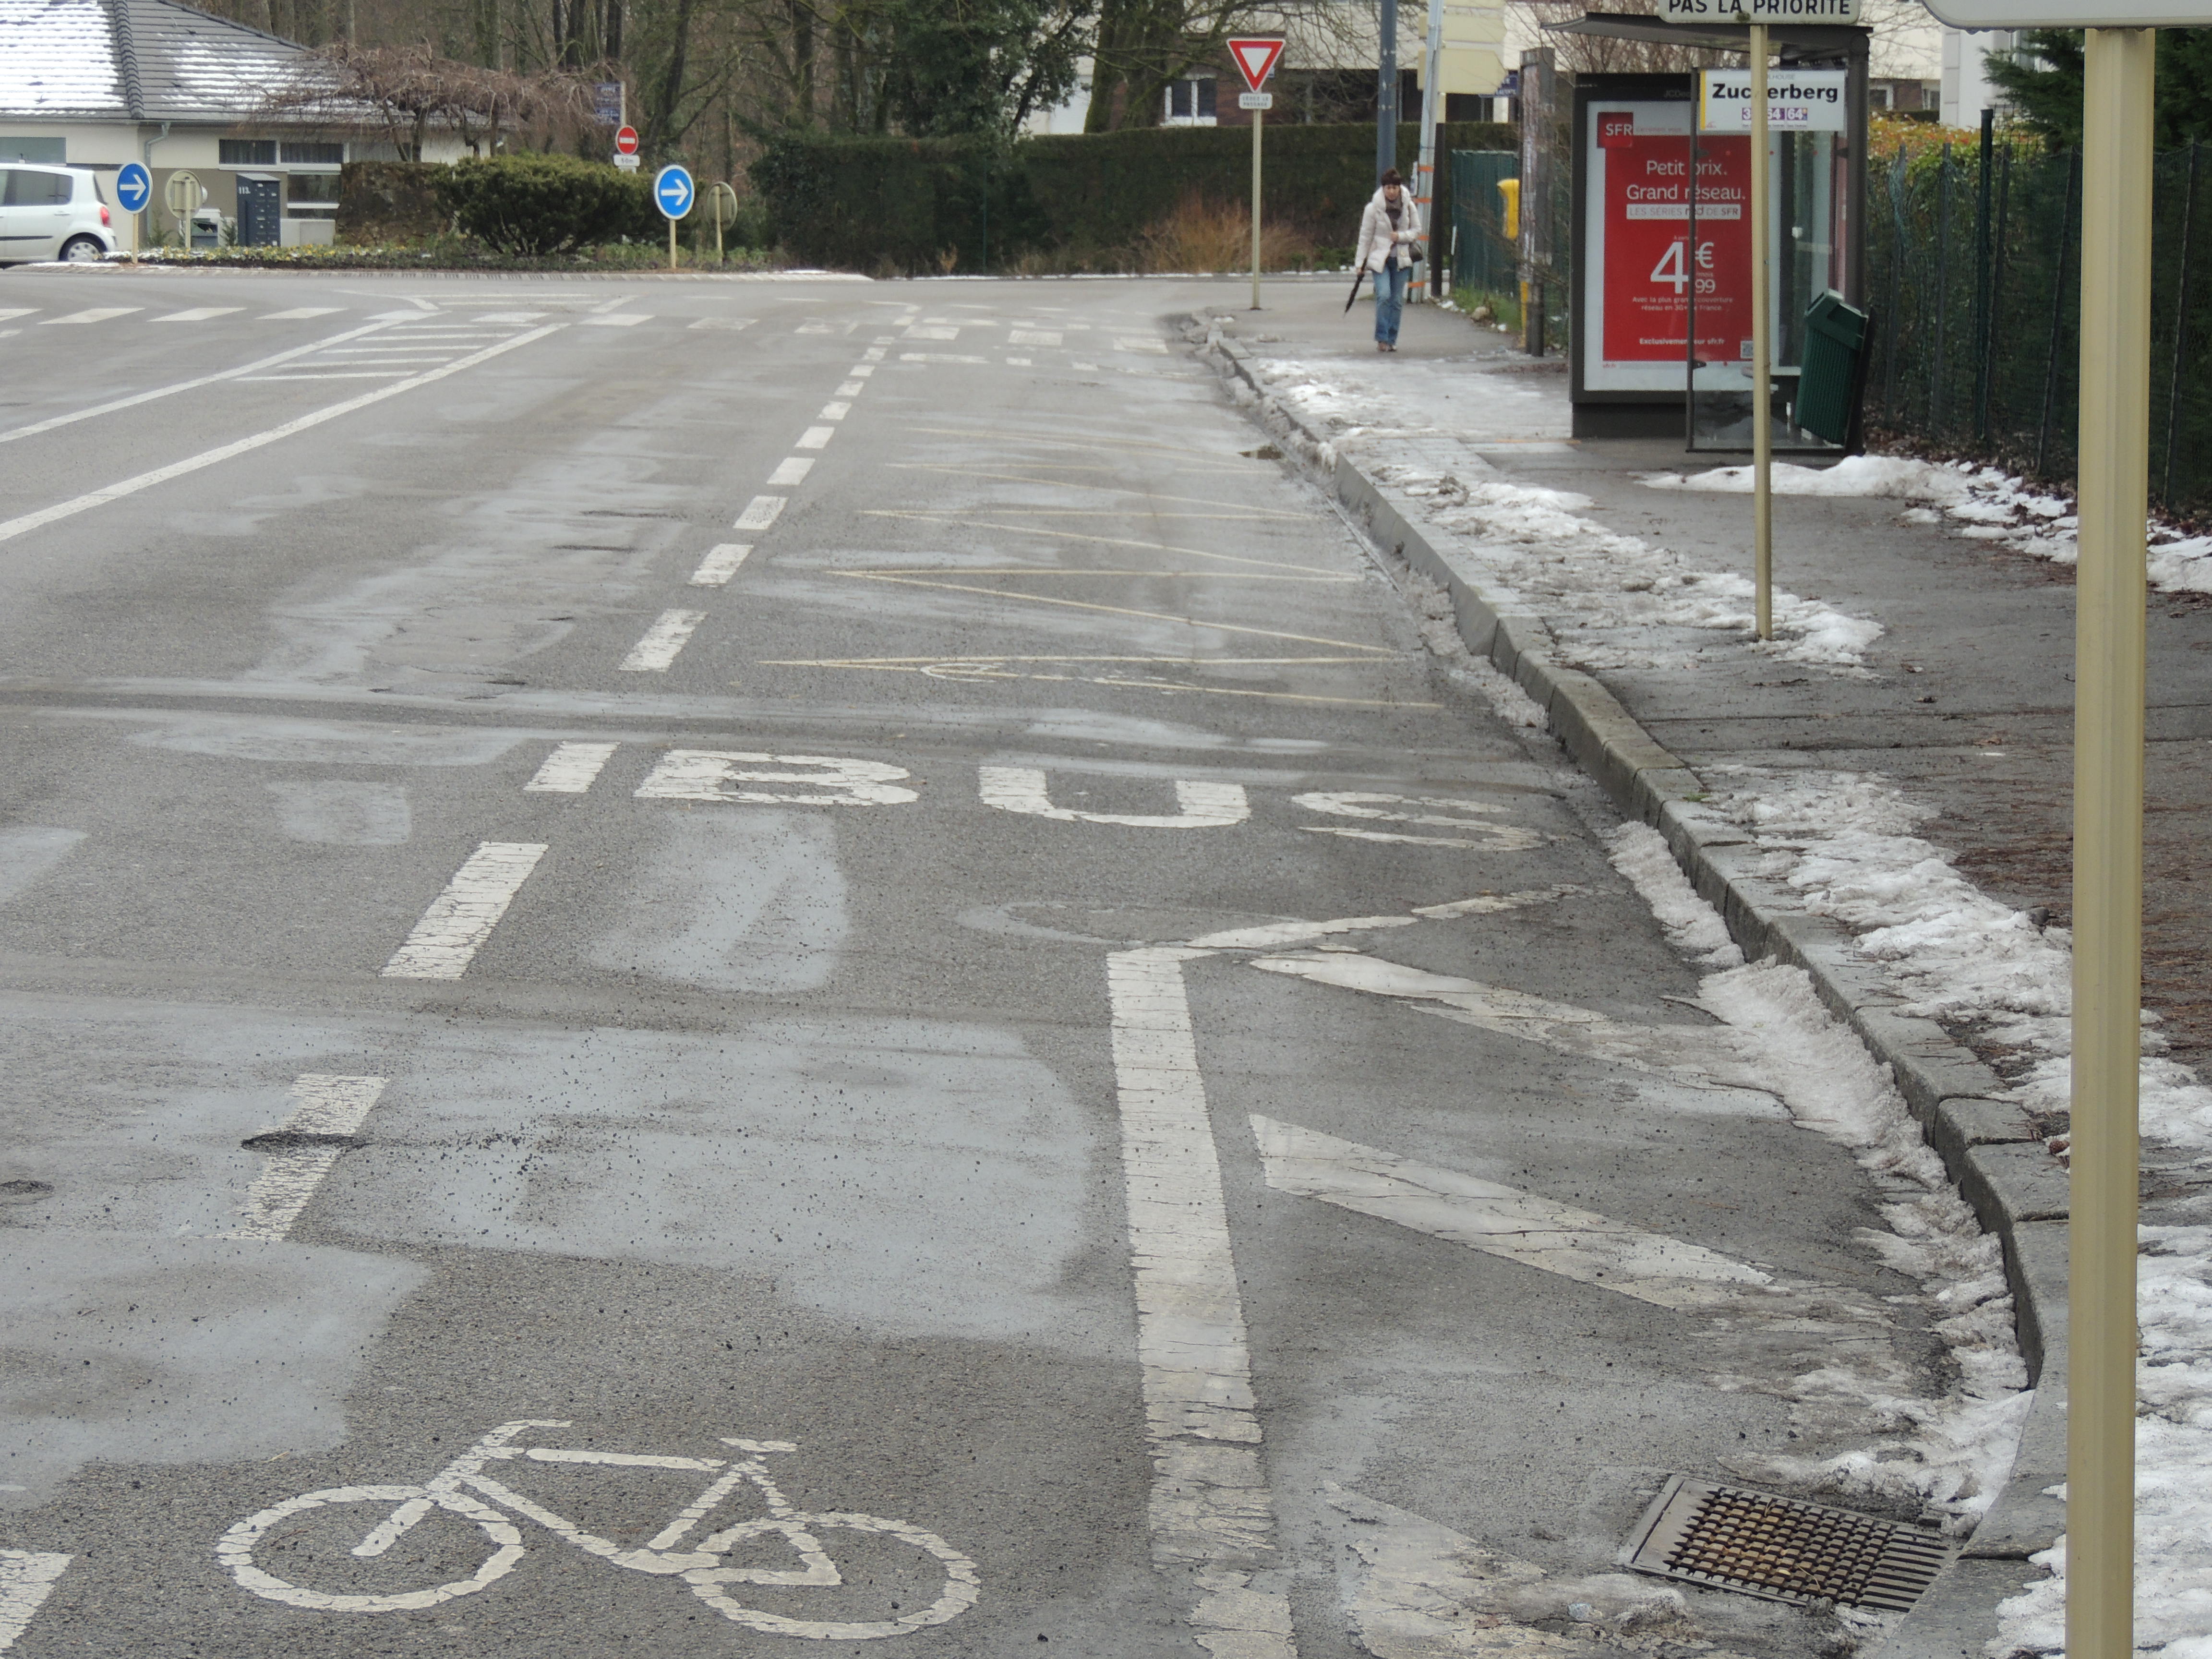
(1952, 1453)
(1844, 841)
(1987, 503)
(1847, 843)
(1611, 601)
(1605, 594)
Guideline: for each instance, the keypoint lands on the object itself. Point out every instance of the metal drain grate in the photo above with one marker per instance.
(1757, 1544)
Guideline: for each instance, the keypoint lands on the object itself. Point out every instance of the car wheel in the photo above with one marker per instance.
(82, 250)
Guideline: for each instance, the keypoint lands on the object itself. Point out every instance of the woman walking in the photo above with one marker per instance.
(1390, 239)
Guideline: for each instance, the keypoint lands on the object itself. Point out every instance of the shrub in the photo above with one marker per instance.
(541, 204)
(1207, 236)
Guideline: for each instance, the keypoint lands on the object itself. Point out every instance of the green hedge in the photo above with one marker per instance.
(911, 204)
(533, 205)
(382, 202)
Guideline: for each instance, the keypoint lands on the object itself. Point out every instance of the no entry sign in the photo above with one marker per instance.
(1255, 58)
(626, 141)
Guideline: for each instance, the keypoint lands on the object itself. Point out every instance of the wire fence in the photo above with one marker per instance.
(1974, 278)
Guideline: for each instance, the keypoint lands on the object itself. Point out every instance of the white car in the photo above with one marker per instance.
(51, 213)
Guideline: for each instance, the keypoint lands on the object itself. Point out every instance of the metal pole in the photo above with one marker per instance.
(1259, 119)
(2057, 310)
(1424, 170)
(1985, 178)
(1762, 343)
(2180, 329)
(1386, 93)
(1936, 401)
(2108, 772)
(671, 244)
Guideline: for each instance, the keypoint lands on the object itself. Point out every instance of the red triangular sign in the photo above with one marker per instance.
(1255, 59)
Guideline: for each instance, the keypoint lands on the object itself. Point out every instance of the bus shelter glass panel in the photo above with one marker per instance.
(1806, 230)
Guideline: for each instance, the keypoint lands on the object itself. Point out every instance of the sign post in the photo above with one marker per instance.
(182, 194)
(674, 193)
(1762, 347)
(722, 209)
(2110, 686)
(1757, 14)
(1255, 59)
(134, 188)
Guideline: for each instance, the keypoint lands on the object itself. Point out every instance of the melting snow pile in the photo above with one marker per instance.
(1605, 595)
(1844, 843)
(1990, 505)
(1952, 1452)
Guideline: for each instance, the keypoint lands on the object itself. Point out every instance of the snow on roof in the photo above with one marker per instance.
(144, 60)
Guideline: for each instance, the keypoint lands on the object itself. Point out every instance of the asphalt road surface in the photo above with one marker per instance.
(694, 967)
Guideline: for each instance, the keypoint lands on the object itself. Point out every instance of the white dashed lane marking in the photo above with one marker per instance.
(300, 313)
(791, 472)
(836, 411)
(653, 653)
(97, 314)
(720, 564)
(570, 769)
(198, 313)
(815, 437)
(460, 919)
(302, 1150)
(760, 512)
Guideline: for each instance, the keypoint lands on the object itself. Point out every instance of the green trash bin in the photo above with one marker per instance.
(1834, 372)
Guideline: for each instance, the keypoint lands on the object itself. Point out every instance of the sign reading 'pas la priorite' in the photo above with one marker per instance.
(1761, 11)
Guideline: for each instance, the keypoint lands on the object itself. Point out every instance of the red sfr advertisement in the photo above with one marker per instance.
(1643, 266)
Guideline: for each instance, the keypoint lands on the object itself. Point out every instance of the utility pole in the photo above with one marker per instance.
(1386, 93)
(1425, 174)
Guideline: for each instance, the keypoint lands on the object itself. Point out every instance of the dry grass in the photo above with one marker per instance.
(1204, 236)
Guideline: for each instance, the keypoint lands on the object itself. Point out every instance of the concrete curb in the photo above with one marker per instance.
(1987, 1144)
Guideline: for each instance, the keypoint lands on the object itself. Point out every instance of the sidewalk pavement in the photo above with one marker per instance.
(1881, 796)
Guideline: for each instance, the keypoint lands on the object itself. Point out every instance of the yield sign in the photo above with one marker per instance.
(1255, 58)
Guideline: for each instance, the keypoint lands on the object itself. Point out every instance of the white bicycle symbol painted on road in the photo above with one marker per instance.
(462, 1486)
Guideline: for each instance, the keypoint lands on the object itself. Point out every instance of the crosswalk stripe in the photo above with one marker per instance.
(198, 313)
(97, 314)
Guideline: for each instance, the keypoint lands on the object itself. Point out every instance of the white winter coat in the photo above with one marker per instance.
(1375, 239)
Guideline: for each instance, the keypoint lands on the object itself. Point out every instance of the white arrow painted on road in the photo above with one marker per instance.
(1523, 1227)
(27, 1578)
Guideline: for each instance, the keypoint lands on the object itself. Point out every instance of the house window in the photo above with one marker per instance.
(1190, 102)
(312, 155)
(246, 152)
(53, 152)
(314, 187)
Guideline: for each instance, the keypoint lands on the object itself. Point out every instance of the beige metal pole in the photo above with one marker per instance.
(1259, 119)
(671, 244)
(2108, 783)
(1762, 343)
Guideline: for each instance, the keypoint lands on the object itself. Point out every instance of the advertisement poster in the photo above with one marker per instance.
(1643, 268)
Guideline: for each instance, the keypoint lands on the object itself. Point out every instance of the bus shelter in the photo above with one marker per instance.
(1659, 309)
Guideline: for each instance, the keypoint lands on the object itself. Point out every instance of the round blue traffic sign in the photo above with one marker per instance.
(673, 190)
(134, 187)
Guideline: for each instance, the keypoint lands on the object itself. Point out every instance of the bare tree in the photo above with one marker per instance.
(406, 93)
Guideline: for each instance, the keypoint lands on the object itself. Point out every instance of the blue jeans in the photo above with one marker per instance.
(1390, 302)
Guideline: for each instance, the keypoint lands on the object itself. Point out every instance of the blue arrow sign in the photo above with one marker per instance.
(134, 187)
(672, 190)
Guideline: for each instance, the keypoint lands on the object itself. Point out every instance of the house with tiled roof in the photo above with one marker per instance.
(94, 83)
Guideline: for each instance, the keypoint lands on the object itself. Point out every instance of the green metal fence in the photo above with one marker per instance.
(1483, 262)
(1973, 272)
